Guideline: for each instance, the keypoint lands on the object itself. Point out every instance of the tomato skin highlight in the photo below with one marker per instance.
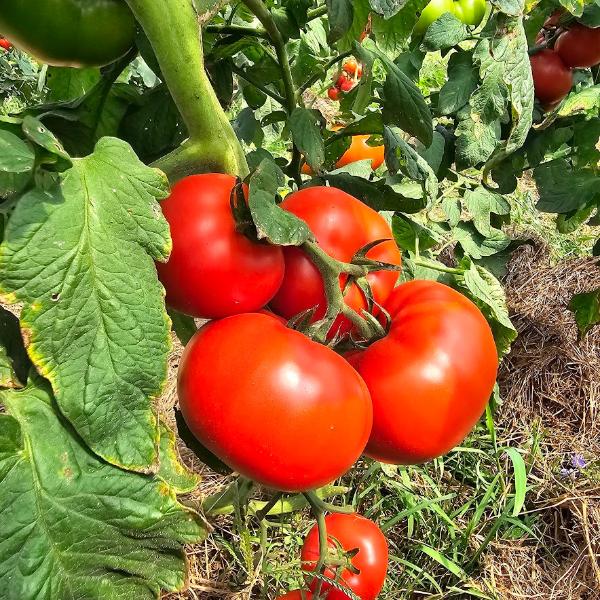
(342, 225)
(579, 46)
(552, 80)
(431, 377)
(255, 393)
(350, 531)
(214, 271)
(69, 33)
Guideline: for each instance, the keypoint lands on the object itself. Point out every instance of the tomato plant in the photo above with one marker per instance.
(431, 12)
(470, 12)
(579, 46)
(349, 533)
(430, 377)
(287, 390)
(214, 270)
(342, 226)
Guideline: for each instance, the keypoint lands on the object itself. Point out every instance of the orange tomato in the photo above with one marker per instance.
(359, 150)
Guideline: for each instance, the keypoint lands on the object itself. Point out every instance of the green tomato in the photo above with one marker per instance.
(470, 12)
(434, 10)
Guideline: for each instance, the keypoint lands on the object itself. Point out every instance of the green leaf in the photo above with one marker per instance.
(68, 84)
(171, 470)
(247, 127)
(586, 100)
(477, 246)
(272, 222)
(361, 11)
(562, 188)
(83, 526)
(183, 326)
(570, 222)
(445, 32)
(16, 156)
(586, 308)
(575, 7)
(386, 8)
(80, 255)
(476, 140)
(14, 362)
(341, 17)
(520, 476)
(481, 204)
(487, 293)
(40, 135)
(412, 236)
(401, 156)
(404, 105)
(462, 81)
(306, 133)
(393, 34)
(510, 7)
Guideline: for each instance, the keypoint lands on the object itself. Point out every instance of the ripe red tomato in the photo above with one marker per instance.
(296, 595)
(272, 404)
(342, 225)
(352, 67)
(579, 46)
(214, 271)
(346, 85)
(345, 533)
(4, 43)
(333, 93)
(552, 80)
(431, 377)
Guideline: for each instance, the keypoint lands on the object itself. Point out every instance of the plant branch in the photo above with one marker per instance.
(420, 262)
(315, 13)
(264, 89)
(243, 30)
(212, 145)
(264, 16)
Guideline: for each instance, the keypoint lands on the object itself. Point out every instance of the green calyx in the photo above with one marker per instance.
(69, 33)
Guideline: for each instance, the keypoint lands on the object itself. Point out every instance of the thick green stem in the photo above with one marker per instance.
(174, 33)
(237, 30)
(319, 515)
(263, 88)
(420, 262)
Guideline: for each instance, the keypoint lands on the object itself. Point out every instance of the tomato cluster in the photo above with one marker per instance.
(346, 80)
(470, 12)
(291, 413)
(574, 46)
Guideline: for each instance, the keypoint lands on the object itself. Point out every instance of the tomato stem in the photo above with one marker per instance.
(319, 515)
(212, 145)
(421, 262)
(263, 88)
(263, 512)
(237, 30)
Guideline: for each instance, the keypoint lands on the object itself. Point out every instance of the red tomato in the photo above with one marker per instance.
(333, 93)
(214, 271)
(4, 43)
(431, 377)
(551, 79)
(342, 225)
(350, 532)
(360, 150)
(554, 19)
(346, 85)
(296, 595)
(341, 80)
(579, 46)
(353, 68)
(272, 404)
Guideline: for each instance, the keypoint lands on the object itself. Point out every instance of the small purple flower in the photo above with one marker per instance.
(578, 461)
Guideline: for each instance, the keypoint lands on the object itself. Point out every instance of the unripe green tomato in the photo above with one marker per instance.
(434, 10)
(470, 12)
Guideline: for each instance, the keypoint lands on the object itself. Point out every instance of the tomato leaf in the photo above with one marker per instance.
(411, 235)
(306, 132)
(272, 222)
(392, 34)
(445, 32)
(482, 204)
(80, 255)
(462, 81)
(14, 362)
(93, 527)
(486, 291)
(586, 308)
(341, 16)
(586, 100)
(510, 7)
(386, 8)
